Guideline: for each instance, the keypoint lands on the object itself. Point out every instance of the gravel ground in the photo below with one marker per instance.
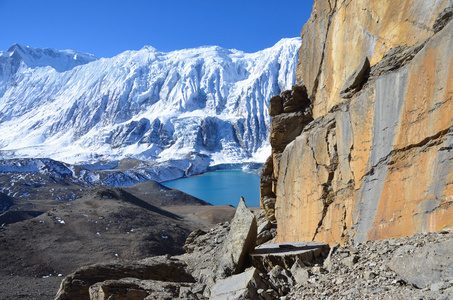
(387, 269)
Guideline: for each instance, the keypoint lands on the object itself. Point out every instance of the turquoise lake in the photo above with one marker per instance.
(221, 187)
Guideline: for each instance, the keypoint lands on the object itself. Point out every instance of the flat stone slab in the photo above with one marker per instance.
(266, 257)
(240, 286)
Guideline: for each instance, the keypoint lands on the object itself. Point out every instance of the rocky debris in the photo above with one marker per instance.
(204, 249)
(291, 111)
(189, 245)
(135, 289)
(350, 272)
(385, 269)
(328, 261)
(371, 270)
(240, 241)
(281, 280)
(267, 257)
(211, 255)
(300, 274)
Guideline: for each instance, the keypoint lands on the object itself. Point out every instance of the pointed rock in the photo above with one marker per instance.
(240, 240)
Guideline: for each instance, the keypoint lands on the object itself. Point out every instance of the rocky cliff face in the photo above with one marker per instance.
(377, 161)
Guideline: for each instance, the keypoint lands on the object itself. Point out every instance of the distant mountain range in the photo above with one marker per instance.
(207, 104)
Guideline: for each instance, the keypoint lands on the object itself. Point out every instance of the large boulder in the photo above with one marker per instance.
(240, 241)
(77, 285)
(241, 286)
(426, 266)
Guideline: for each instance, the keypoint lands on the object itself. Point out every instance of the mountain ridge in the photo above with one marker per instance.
(149, 105)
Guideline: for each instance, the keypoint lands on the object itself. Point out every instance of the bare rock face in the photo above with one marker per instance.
(356, 80)
(377, 161)
(340, 34)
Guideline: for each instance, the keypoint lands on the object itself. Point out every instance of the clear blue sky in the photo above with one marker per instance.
(108, 27)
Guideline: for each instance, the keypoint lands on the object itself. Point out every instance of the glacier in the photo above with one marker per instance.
(179, 112)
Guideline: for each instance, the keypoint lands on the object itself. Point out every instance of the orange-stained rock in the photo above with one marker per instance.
(340, 34)
(377, 161)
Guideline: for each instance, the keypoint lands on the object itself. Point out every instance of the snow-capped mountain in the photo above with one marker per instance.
(207, 103)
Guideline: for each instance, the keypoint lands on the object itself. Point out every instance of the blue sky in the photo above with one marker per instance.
(108, 27)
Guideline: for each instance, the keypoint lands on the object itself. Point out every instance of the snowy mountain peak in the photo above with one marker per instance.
(150, 49)
(60, 60)
(206, 105)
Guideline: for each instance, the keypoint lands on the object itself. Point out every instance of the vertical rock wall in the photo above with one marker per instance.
(377, 161)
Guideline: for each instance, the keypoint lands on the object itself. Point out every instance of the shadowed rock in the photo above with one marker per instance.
(356, 80)
(266, 257)
(240, 240)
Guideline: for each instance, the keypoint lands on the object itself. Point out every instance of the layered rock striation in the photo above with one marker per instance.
(377, 160)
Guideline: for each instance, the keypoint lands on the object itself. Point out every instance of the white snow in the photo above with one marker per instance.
(206, 106)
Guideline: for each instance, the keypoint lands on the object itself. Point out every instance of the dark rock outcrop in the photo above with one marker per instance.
(291, 112)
